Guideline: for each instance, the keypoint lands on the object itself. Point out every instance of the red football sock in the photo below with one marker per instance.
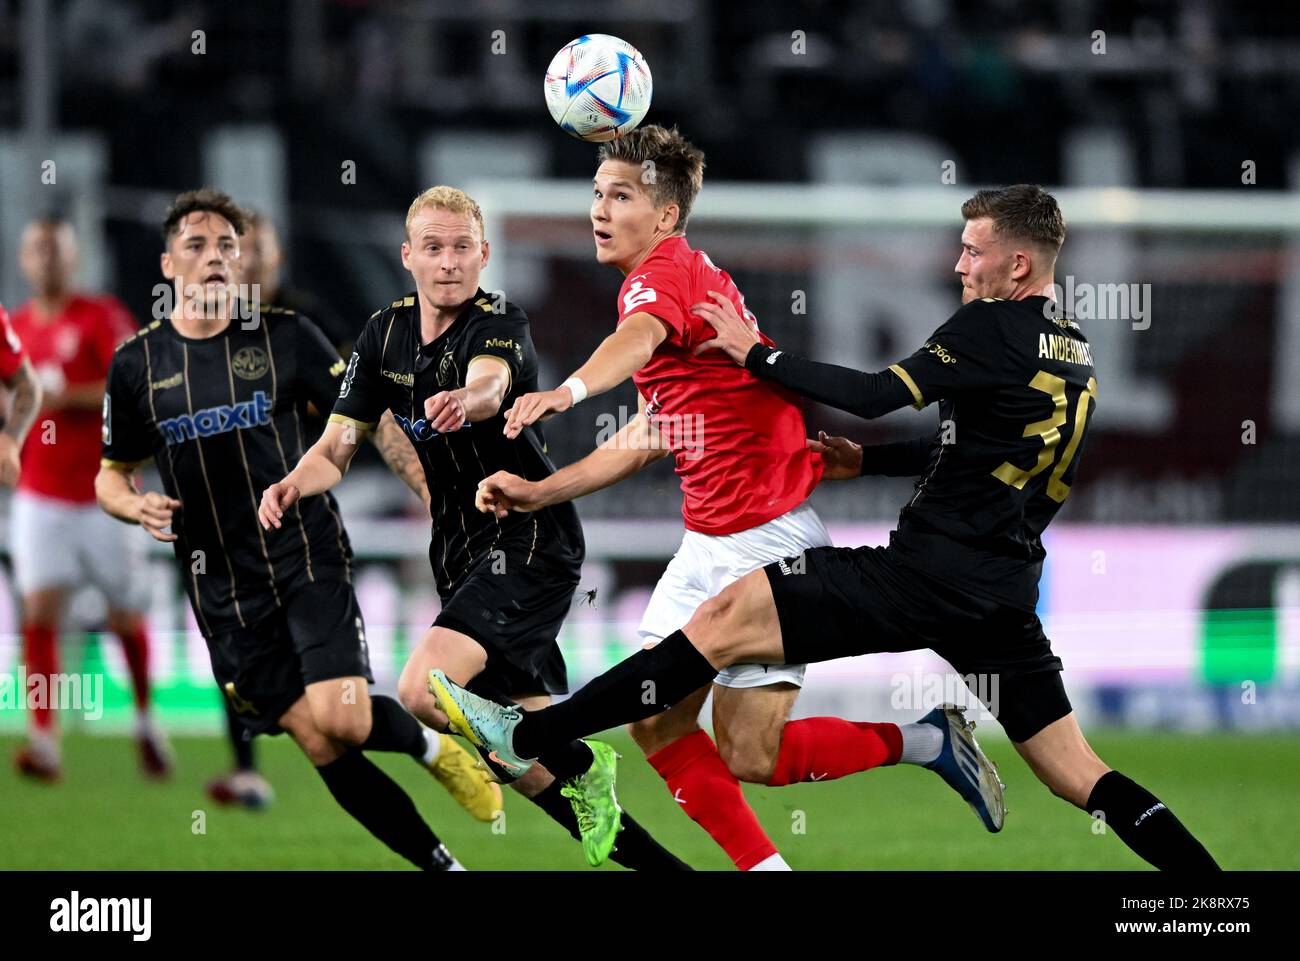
(826, 748)
(135, 645)
(711, 796)
(41, 652)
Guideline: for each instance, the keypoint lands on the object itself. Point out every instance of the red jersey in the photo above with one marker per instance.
(741, 449)
(76, 347)
(11, 348)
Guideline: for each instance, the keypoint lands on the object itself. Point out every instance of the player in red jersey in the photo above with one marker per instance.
(746, 472)
(70, 338)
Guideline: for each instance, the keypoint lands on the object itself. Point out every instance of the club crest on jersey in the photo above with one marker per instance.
(219, 419)
(250, 363)
(447, 372)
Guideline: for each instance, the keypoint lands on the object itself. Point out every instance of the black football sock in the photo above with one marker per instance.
(240, 742)
(567, 760)
(383, 808)
(634, 849)
(646, 684)
(392, 729)
(1148, 827)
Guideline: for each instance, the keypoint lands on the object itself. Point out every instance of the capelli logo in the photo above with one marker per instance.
(132, 916)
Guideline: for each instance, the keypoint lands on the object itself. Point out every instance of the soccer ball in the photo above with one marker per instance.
(598, 87)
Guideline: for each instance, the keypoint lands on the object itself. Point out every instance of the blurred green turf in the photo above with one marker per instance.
(1237, 793)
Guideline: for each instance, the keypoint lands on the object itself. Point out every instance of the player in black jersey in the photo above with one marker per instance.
(443, 361)
(1016, 389)
(216, 394)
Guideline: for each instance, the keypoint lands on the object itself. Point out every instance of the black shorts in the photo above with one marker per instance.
(841, 602)
(316, 634)
(513, 602)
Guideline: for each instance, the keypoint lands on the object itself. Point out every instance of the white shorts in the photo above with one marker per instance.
(706, 563)
(56, 543)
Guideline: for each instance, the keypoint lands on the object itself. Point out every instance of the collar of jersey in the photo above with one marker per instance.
(430, 348)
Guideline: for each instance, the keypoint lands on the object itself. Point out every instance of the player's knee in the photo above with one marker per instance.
(747, 759)
(349, 727)
(413, 694)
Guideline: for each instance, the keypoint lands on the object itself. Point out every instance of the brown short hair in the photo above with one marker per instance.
(445, 198)
(677, 166)
(1024, 212)
(203, 200)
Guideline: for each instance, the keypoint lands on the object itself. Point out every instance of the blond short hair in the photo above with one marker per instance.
(445, 198)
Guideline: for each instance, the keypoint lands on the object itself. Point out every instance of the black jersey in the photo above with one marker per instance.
(391, 369)
(223, 417)
(1016, 390)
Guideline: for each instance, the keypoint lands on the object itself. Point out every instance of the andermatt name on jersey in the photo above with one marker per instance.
(218, 419)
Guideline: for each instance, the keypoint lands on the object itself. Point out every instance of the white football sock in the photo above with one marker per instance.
(432, 747)
(773, 862)
(921, 743)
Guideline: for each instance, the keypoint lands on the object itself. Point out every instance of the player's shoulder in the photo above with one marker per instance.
(134, 345)
(490, 309)
(402, 309)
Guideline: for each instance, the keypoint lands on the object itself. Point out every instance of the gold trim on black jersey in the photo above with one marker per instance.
(918, 400)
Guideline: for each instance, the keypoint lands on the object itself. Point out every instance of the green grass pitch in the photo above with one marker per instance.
(1236, 792)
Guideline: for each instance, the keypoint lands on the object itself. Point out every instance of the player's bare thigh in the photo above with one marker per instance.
(747, 723)
(340, 708)
(458, 655)
(1063, 760)
(739, 624)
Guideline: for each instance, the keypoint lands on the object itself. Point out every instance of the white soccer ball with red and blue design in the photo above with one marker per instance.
(598, 87)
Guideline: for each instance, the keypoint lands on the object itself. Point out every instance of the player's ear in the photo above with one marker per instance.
(406, 254)
(1023, 265)
(486, 253)
(669, 217)
(168, 269)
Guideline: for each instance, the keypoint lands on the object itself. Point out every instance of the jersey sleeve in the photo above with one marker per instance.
(966, 353)
(11, 348)
(126, 439)
(360, 395)
(504, 337)
(661, 293)
(320, 368)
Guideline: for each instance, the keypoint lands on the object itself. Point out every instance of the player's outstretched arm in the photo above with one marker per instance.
(486, 382)
(321, 468)
(118, 497)
(619, 356)
(846, 389)
(632, 448)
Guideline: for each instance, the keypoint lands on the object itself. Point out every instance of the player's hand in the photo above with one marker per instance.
(153, 512)
(530, 408)
(504, 492)
(841, 458)
(734, 334)
(276, 499)
(445, 411)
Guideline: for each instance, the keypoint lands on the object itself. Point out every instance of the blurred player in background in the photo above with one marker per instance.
(746, 474)
(217, 397)
(261, 259)
(444, 361)
(60, 540)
